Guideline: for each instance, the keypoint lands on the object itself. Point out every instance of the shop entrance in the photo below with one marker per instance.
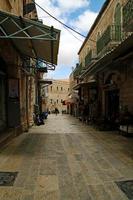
(112, 105)
(2, 96)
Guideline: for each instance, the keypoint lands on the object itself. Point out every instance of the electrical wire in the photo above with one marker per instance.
(65, 28)
(73, 34)
(59, 20)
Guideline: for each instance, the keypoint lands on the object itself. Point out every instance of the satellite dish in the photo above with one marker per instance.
(28, 8)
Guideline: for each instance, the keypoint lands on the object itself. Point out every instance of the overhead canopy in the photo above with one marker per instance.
(90, 83)
(30, 38)
(45, 81)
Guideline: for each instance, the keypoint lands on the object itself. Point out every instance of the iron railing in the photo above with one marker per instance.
(88, 58)
(113, 33)
(128, 13)
(78, 70)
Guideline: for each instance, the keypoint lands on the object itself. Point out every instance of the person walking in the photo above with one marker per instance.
(56, 111)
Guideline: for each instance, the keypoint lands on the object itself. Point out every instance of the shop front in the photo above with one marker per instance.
(22, 43)
(2, 101)
(2, 95)
(112, 96)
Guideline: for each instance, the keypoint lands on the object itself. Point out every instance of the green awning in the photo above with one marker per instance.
(30, 38)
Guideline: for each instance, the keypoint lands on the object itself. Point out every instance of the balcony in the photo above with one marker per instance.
(77, 71)
(128, 16)
(90, 57)
(109, 39)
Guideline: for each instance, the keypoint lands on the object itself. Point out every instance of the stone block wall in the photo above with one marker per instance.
(106, 19)
(126, 91)
(58, 92)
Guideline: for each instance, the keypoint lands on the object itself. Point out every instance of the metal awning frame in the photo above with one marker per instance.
(43, 36)
(36, 66)
(30, 37)
(49, 66)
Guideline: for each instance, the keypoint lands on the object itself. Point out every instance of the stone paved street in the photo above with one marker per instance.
(67, 160)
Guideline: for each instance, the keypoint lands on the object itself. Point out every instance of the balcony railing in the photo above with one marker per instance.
(113, 33)
(128, 15)
(78, 70)
(88, 58)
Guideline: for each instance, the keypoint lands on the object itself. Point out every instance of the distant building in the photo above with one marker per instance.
(57, 95)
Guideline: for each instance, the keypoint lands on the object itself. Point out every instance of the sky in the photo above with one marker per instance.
(78, 14)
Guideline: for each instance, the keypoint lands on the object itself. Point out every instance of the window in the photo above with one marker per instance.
(57, 88)
(61, 88)
(117, 15)
(57, 100)
(117, 22)
(68, 89)
(51, 88)
(51, 101)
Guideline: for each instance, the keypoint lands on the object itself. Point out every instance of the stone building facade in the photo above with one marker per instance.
(106, 66)
(19, 54)
(57, 95)
(14, 79)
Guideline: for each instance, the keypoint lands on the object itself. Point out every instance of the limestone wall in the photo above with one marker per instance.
(58, 92)
(107, 18)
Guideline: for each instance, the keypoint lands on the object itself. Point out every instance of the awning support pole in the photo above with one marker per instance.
(52, 49)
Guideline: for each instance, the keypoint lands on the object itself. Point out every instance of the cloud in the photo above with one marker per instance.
(84, 22)
(68, 48)
(71, 5)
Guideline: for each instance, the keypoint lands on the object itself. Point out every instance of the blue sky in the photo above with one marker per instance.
(96, 5)
(78, 14)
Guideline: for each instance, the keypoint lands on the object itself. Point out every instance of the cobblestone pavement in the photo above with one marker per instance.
(67, 160)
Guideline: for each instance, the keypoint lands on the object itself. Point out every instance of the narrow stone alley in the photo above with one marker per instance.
(67, 160)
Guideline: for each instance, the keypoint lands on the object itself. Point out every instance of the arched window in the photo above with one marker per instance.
(117, 22)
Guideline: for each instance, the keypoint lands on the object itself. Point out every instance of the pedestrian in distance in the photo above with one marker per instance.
(56, 111)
